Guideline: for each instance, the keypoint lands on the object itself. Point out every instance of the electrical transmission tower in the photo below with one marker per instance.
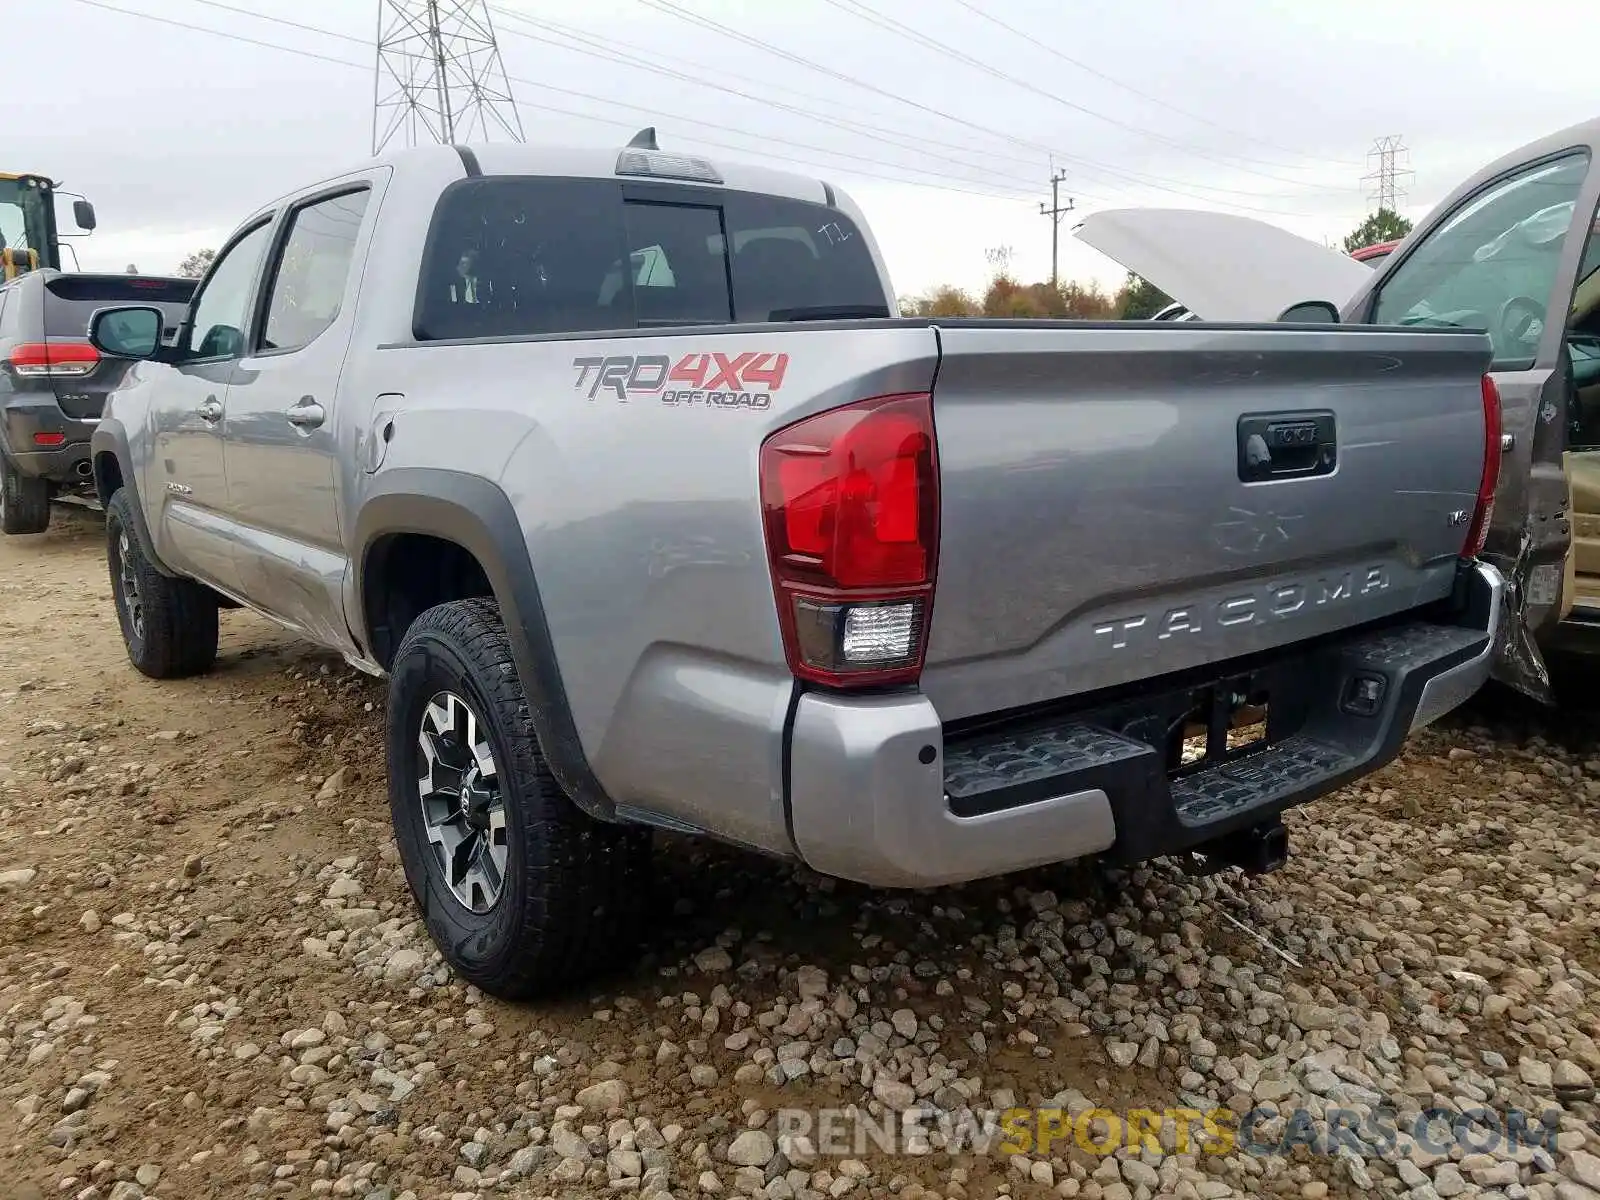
(1390, 162)
(439, 75)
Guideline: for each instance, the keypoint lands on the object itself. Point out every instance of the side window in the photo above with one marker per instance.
(681, 268)
(513, 255)
(1583, 349)
(221, 311)
(308, 283)
(1492, 264)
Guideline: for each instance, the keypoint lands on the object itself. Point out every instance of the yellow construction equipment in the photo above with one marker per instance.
(28, 235)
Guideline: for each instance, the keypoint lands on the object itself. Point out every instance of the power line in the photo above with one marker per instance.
(672, 9)
(612, 50)
(866, 13)
(763, 151)
(786, 156)
(235, 37)
(610, 54)
(1128, 87)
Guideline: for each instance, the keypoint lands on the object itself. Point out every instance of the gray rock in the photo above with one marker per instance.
(811, 983)
(1138, 1174)
(752, 1148)
(1585, 1168)
(1571, 1082)
(1447, 1181)
(1535, 1073)
(569, 1145)
(403, 964)
(602, 1097)
(894, 1094)
(1122, 1053)
(713, 960)
(1313, 1017)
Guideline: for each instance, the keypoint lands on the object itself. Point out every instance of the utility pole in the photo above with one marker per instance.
(1055, 212)
(1389, 158)
(439, 75)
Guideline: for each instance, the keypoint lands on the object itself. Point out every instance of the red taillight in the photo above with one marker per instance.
(1483, 514)
(851, 503)
(53, 360)
(49, 439)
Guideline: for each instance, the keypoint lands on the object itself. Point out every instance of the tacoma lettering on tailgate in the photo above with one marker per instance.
(1275, 602)
(715, 380)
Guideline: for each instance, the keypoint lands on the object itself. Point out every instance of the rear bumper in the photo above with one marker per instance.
(880, 794)
(68, 462)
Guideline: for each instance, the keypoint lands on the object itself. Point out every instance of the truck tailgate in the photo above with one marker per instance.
(1102, 522)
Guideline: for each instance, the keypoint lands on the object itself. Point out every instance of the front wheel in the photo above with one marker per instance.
(522, 892)
(24, 500)
(169, 625)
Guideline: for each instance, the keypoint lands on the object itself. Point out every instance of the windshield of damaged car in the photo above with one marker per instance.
(1492, 264)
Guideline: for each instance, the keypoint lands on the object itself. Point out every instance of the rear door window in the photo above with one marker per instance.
(513, 255)
(313, 268)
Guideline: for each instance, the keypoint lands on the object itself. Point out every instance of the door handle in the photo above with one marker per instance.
(307, 414)
(211, 410)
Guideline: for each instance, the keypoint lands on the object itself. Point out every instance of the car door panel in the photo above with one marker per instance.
(1502, 255)
(282, 449)
(186, 485)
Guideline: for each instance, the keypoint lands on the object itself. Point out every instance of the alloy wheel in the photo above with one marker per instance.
(463, 808)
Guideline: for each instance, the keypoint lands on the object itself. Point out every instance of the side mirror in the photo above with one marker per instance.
(129, 332)
(1311, 312)
(83, 214)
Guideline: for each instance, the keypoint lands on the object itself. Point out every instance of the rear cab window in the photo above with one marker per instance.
(70, 300)
(521, 255)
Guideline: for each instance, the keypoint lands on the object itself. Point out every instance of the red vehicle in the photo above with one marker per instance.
(1375, 253)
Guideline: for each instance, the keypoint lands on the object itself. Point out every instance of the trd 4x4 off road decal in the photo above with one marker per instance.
(711, 380)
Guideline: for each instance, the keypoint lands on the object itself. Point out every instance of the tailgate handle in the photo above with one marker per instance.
(1294, 445)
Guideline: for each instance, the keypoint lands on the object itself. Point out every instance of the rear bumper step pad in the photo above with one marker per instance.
(1323, 728)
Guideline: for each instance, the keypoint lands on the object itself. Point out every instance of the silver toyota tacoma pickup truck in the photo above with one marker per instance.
(617, 465)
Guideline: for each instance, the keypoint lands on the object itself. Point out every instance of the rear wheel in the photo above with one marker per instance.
(522, 892)
(24, 500)
(168, 625)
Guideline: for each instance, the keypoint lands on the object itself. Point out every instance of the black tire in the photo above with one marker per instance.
(24, 501)
(168, 625)
(571, 887)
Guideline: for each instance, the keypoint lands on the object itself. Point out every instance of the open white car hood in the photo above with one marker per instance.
(1222, 267)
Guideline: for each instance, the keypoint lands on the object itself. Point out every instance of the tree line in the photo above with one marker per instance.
(1068, 300)
(1136, 300)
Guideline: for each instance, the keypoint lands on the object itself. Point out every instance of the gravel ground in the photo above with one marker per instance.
(212, 983)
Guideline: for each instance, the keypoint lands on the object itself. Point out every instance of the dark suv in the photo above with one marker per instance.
(53, 382)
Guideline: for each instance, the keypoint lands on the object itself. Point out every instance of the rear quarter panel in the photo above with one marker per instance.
(643, 522)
